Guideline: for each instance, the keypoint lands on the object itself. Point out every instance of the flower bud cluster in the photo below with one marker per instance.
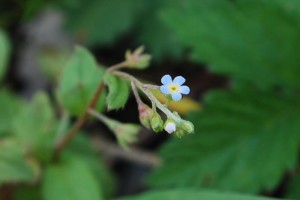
(151, 119)
(179, 128)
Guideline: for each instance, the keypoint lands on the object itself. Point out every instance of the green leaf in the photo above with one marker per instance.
(159, 40)
(244, 141)
(293, 191)
(79, 81)
(81, 148)
(35, 127)
(31, 8)
(239, 38)
(52, 62)
(10, 106)
(118, 91)
(190, 194)
(4, 53)
(70, 179)
(27, 193)
(13, 165)
(96, 22)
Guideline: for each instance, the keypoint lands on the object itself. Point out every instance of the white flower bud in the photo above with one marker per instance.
(170, 127)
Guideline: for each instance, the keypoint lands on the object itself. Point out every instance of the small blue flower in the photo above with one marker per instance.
(174, 87)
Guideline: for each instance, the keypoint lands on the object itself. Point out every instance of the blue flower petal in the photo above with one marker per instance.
(164, 89)
(166, 79)
(179, 80)
(176, 96)
(184, 89)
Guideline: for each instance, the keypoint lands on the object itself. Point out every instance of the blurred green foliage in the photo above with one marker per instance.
(246, 137)
(10, 105)
(190, 194)
(293, 191)
(101, 22)
(16, 12)
(4, 53)
(245, 141)
(13, 164)
(61, 182)
(79, 80)
(81, 150)
(35, 126)
(249, 40)
(105, 22)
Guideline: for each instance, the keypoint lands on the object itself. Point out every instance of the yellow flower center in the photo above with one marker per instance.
(174, 88)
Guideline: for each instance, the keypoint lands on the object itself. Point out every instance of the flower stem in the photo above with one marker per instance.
(149, 86)
(99, 116)
(136, 94)
(78, 124)
(161, 107)
(117, 66)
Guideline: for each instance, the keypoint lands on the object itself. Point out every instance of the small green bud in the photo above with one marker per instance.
(187, 126)
(179, 132)
(157, 123)
(137, 59)
(145, 115)
(126, 133)
(144, 61)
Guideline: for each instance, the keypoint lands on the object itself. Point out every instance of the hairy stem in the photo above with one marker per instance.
(136, 94)
(79, 123)
(117, 66)
(99, 116)
(83, 118)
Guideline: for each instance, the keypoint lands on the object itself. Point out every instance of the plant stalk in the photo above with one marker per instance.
(79, 123)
